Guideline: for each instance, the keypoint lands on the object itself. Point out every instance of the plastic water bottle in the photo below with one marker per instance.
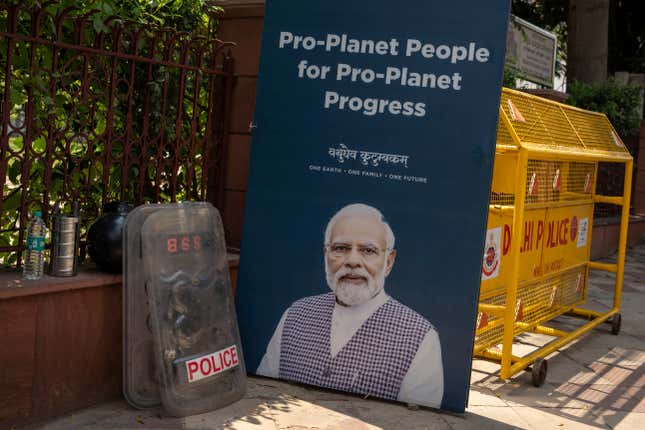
(35, 255)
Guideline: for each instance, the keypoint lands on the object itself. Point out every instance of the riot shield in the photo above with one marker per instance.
(140, 382)
(196, 347)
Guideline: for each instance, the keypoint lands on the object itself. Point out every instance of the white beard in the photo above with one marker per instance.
(351, 294)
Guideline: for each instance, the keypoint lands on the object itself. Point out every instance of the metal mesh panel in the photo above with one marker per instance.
(537, 302)
(539, 121)
(544, 122)
(490, 328)
(605, 213)
(580, 178)
(503, 136)
(611, 177)
(556, 181)
(542, 301)
(528, 124)
(538, 188)
(558, 126)
(504, 199)
(595, 130)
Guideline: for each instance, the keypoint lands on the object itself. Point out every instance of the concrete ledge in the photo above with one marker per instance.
(12, 285)
(604, 236)
(62, 343)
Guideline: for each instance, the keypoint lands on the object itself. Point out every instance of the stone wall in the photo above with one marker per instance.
(242, 23)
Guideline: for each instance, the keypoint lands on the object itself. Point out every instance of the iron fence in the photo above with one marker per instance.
(131, 113)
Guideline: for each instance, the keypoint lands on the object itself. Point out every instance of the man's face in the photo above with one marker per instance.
(356, 261)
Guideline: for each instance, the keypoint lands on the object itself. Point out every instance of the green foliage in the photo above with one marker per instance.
(550, 15)
(620, 103)
(73, 126)
(183, 15)
(545, 13)
(510, 77)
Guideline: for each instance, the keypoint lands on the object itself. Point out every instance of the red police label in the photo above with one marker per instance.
(550, 234)
(212, 364)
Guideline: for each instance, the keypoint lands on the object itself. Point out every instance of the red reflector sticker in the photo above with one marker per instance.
(580, 283)
(516, 115)
(588, 183)
(482, 320)
(554, 295)
(212, 364)
(557, 182)
(533, 185)
(519, 311)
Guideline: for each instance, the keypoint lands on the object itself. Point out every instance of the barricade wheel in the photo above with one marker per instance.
(538, 372)
(616, 322)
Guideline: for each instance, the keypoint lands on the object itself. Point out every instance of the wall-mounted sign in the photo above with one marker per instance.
(368, 195)
(531, 51)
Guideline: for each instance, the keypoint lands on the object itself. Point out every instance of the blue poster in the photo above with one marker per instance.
(366, 208)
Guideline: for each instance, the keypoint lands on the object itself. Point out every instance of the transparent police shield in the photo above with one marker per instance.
(195, 340)
(140, 381)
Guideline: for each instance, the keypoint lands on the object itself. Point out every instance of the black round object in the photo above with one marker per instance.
(538, 372)
(105, 237)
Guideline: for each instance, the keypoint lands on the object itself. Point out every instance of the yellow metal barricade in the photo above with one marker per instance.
(544, 184)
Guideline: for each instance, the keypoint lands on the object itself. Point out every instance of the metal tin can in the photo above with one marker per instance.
(65, 240)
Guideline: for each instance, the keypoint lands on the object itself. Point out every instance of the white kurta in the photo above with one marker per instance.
(422, 384)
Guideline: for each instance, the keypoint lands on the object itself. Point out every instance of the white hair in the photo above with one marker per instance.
(360, 209)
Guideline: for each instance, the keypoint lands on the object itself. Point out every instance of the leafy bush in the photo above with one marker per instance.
(72, 127)
(183, 15)
(510, 77)
(622, 104)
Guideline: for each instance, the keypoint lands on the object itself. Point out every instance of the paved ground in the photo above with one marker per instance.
(597, 382)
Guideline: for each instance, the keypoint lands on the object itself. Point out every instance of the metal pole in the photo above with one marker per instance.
(516, 235)
(624, 226)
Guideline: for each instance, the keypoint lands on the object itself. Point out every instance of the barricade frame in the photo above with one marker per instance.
(512, 364)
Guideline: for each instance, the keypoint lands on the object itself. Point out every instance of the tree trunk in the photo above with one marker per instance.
(588, 40)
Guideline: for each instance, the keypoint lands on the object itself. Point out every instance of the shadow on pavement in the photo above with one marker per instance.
(271, 404)
(598, 380)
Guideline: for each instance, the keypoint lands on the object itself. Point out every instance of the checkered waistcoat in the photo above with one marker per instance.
(374, 361)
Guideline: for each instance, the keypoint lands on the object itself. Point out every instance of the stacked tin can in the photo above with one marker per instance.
(65, 242)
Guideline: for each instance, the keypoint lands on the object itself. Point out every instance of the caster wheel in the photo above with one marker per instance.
(616, 322)
(538, 372)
